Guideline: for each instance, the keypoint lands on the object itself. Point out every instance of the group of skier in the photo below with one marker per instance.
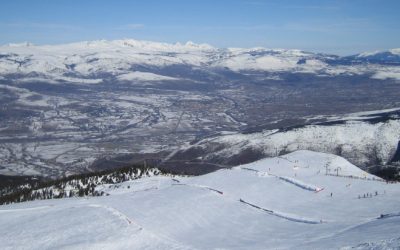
(368, 195)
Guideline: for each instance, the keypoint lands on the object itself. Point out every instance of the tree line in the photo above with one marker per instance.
(73, 186)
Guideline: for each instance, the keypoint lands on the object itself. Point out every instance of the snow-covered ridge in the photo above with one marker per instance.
(105, 44)
(375, 145)
(391, 51)
(91, 57)
(117, 57)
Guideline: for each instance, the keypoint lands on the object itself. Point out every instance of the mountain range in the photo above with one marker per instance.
(76, 62)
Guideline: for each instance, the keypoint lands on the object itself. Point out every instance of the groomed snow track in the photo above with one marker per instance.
(289, 217)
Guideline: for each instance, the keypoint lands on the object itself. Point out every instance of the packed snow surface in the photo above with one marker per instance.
(303, 200)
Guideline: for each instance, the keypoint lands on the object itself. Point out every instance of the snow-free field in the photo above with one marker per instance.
(303, 200)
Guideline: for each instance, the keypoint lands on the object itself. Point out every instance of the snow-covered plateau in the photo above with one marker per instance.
(301, 200)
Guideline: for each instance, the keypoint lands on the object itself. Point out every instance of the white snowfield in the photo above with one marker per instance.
(286, 202)
(84, 59)
(144, 76)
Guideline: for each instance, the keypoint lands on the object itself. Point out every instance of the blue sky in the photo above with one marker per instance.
(334, 26)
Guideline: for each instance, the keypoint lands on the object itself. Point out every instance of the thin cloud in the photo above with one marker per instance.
(219, 27)
(323, 26)
(278, 4)
(312, 7)
(316, 25)
(246, 27)
(255, 3)
(131, 26)
(34, 25)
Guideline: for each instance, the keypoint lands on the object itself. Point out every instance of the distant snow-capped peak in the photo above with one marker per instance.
(117, 57)
(131, 43)
(395, 51)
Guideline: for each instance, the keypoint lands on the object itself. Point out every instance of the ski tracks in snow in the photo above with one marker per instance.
(290, 217)
(295, 182)
(299, 183)
(172, 244)
(115, 212)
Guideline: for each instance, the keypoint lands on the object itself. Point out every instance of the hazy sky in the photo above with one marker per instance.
(334, 26)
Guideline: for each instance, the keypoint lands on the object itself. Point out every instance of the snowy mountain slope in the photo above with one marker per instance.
(388, 57)
(86, 59)
(353, 137)
(247, 207)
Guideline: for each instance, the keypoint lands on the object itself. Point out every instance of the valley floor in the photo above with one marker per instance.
(303, 200)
